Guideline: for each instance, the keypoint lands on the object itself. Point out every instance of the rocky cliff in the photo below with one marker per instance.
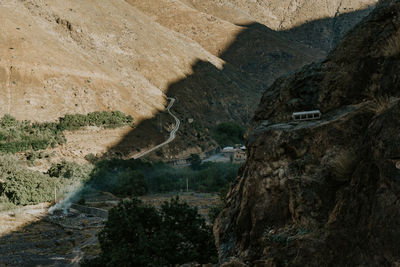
(324, 192)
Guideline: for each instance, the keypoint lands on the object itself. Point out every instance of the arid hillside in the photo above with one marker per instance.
(215, 57)
(69, 56)
(324, 192)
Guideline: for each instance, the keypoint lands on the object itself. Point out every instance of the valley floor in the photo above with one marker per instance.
(31, 236)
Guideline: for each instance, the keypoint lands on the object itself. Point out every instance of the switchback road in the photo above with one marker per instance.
(172, 134)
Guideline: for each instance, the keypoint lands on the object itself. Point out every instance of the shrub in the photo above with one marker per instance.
(22, 186)
(69, 170)
(195, 161)
(16, 136)
(73, 122)
(91, 158)
(98, 118)
(209, 177)
(26, 187)
(6, 204)
(8, 121)
(120, 177)
(130, 183)
(140, 235)
(228, 134)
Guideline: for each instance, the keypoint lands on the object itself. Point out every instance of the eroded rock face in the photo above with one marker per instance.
(325, 192)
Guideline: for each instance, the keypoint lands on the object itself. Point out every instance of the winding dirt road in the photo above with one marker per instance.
(172, 134)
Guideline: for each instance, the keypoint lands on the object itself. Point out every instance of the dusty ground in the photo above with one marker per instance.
(16, 219)
(30, 236)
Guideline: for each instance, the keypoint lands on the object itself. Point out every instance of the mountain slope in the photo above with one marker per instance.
(61, 57)
(117, 58)
(319, 24)
(325, 192)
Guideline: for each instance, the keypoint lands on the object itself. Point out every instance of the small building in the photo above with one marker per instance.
(239, 155)
(306, 115)
(236, 154)
(228, 149)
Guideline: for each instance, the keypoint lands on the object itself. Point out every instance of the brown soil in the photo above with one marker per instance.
(215, 57)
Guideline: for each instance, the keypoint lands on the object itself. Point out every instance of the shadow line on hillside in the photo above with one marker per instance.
(242, 79)
(211, 95)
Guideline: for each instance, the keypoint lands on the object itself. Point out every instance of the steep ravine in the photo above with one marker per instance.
(325, 192)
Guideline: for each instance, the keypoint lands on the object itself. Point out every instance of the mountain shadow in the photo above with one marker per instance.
(210, 95)
(205, 98)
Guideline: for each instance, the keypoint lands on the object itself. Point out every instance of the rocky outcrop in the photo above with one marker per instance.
(324, 192)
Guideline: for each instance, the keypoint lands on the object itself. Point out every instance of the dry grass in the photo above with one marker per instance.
(392, 47)
(343, 165)
(382, 103)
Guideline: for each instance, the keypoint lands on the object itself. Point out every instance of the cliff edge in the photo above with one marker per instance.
(324, 192)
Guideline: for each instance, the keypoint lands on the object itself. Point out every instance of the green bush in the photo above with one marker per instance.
(73, 122)
(130, 183)
(26, 187)
(160, 177)
(8, 121)
(228, 134)
(140, 235)
(195, 161)
(22, 186)
(91, 158)
(69, 170)
(16, 136)
(98, 118)
(120, 177)
(6, 204)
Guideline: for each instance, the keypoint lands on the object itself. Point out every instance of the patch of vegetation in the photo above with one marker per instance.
(106, 119)
(229, 134)
(16, 136)
(69, 170)
(209, 177)
(136, 177)
(6, 204)
(175, 234)
(21, 186)
(195, 161)
(91, 158)
(33, 155)
(120, 177)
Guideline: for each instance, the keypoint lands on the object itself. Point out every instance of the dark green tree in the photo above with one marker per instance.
(228, 134)
(195, 161)
(140, 235)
